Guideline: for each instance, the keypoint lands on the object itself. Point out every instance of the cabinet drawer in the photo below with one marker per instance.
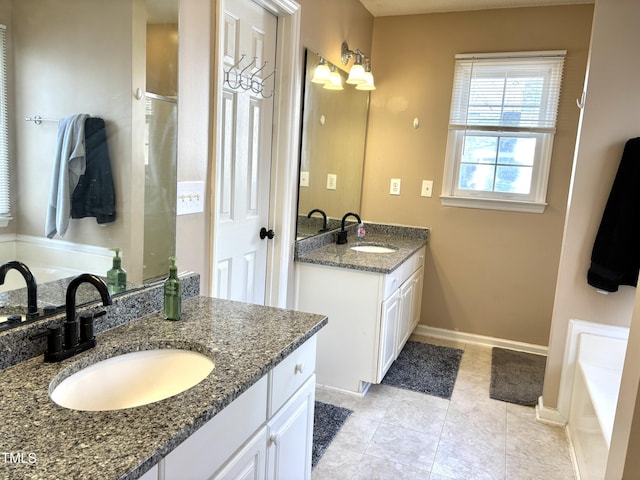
(393, 280)
(290, 374)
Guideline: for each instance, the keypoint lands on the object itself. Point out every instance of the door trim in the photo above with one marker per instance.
(286, 133)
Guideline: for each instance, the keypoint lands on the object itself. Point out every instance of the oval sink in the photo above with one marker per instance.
(373, 249)
(132, 379)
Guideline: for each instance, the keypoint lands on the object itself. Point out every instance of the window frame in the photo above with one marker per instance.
(535, 200)
(5, 173)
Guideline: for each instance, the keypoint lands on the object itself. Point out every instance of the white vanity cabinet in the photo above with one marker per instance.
(265, 433)
(371, 316)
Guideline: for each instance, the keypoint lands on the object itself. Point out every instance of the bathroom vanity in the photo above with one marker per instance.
(372, 291)
(252, 413)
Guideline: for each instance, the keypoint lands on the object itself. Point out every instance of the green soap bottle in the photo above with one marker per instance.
(172, 292)
(117, 276)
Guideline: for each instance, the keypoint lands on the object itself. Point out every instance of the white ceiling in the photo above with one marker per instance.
(381, 8)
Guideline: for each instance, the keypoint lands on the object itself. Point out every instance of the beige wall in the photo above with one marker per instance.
(609, 119)
(328, 23)
(487, 272)
(64, 65)
(162, 59)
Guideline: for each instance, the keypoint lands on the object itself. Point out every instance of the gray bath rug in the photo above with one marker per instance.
(516, 377)
(426, 368)
(327, 421)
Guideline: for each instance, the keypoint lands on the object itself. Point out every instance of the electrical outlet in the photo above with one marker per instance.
(332, 181)
(427, 188)
(395, 186)
(304, 179)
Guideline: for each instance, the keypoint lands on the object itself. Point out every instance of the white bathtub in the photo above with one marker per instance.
(41, 273)
(596, 385)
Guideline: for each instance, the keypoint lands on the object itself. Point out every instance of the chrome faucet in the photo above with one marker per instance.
(324, 218)
(32, 287)
(341, 236)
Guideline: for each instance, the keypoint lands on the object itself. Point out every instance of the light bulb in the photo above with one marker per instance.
(356, 75)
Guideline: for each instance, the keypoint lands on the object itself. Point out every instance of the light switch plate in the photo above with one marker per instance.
(395, 186)
(304, 179)
(332, 180)
(190, 198)
(427, 188)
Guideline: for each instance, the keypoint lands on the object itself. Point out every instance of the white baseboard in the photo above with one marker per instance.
(365, 389)
(549, 415)
(456, 336)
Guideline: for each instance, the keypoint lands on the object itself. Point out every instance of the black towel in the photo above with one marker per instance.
(94, 196)
(615, 259)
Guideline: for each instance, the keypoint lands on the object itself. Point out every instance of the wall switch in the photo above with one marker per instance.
(427, 188)
(190, 198)
(304, 179)
(332, 180)
(395, 186)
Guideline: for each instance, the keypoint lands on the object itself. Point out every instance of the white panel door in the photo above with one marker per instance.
(244, 158)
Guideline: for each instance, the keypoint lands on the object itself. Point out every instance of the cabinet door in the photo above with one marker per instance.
(388, 331)
(417, 298)
(250, 461)
(291, 436)
(407, 296)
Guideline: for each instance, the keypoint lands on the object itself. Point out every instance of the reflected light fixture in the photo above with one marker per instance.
(321, 73)
(368, 76)
(359, 75)
(334, 80)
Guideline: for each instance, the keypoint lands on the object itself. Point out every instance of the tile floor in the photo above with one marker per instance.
(400, 434)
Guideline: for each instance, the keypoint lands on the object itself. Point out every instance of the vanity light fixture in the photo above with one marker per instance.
(321, 73)
(359, 74)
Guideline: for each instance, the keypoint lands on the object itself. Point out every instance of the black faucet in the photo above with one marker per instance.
(341, 236)
(32, 287)
(64, 342)
(324, 218)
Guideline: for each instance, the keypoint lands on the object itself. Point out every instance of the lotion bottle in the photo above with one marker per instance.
(117, 276)
(172, 298)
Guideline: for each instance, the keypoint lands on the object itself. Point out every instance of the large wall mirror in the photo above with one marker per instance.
(116, 60)
(332, 151)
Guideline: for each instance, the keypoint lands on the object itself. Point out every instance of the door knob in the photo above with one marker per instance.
(264, 233)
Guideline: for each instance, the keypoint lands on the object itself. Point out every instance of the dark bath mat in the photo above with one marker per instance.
(327, 421)
(516, 377)
(426, 368)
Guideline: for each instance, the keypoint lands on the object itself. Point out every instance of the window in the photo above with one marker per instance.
(5, 213)
(501, 129)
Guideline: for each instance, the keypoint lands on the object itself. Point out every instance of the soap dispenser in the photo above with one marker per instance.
(172, 292)
(117, 276)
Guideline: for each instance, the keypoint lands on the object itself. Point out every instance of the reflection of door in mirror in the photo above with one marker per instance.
(332, 152)
(160, 136)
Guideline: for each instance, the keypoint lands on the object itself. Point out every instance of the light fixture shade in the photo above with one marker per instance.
(356, 75)
(321, 74)
(335, 81)
(368, 83)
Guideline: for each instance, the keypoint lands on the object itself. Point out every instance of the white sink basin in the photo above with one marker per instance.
(132, 379)
(373, 249)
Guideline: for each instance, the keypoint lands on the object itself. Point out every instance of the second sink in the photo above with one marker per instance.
(132, 379)
(369, 248)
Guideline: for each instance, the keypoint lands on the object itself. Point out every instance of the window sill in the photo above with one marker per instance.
(493, 204)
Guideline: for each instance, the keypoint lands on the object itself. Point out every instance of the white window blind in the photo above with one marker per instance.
(5, 213)
(501, 127)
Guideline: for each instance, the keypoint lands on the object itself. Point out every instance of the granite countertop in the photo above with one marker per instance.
(245, 341)
(406, 241)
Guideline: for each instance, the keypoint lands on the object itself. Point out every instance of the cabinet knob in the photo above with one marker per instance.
(299, 368)
(274, 439)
